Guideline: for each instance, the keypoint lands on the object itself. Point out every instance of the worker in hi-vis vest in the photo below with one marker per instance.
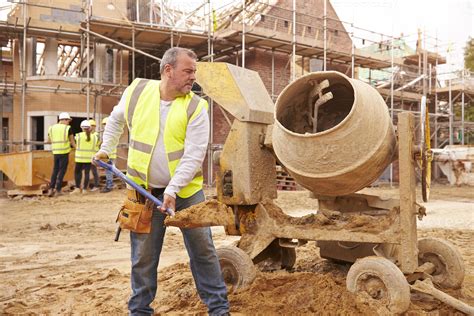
(61, 138)
(86, 147)
(95, 185)
(169, 132)
(109, 176)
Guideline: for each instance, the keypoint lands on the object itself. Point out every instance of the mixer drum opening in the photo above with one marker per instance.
(298, 114)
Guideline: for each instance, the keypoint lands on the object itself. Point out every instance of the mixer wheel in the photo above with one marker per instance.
(237, 268)
(382, 281)
(449, 266)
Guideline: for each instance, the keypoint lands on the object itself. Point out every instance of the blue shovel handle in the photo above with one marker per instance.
(124, 178)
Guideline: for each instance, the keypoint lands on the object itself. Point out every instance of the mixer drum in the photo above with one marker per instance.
(349, 143)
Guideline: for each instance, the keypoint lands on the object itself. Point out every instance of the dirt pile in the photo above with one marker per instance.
(57, 256)
(271, 293)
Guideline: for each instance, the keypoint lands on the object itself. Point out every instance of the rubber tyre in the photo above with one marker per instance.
(237, 268)
(382, 280)
(449, 264)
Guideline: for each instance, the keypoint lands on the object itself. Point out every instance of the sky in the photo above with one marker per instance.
(447, 24)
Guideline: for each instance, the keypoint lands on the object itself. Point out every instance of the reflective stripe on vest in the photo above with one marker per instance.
(59, 138)
(142, 114)
(85, 150)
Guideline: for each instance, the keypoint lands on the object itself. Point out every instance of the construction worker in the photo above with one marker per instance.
(109, 176)
(85, 149)
(168, 142)
(95, 185)
(61, 138)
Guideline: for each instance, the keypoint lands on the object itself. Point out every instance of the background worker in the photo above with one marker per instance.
(95, 185)
(86, 147)
(61, 138)
(109, 176)
(168, 142)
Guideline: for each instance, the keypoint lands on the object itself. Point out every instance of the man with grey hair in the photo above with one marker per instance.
(168, 142)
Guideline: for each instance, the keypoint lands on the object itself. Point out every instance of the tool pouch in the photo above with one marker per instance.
(135, 215)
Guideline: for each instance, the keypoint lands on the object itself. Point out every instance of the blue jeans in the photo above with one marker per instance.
(109, 176)
(205, 268)
(95, 173)
(59, 170)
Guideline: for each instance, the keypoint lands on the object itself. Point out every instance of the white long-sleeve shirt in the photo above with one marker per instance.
(195, 146)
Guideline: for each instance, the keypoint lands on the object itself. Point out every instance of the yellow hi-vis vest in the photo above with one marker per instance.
(97, 145)
(85, 150)
(59, 138)
(142, 114)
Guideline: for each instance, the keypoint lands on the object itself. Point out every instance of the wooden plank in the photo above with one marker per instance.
(405, 95)
(408, 248)
(25, 191)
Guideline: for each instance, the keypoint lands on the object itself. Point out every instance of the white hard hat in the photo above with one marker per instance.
(64, 116)
(85, 124)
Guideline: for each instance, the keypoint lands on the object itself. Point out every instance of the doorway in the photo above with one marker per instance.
(76, 124)
(37, 132)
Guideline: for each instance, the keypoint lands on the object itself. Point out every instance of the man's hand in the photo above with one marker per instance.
(100, 155)
(169, 202)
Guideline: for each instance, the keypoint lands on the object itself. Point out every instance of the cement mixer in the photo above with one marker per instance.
(334, 135)
(329, 137)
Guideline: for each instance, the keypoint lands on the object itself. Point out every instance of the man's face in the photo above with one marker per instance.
(182, 76)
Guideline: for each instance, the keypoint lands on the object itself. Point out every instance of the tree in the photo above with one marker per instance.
(469, 54)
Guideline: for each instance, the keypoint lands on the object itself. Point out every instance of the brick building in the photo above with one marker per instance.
(56, 62)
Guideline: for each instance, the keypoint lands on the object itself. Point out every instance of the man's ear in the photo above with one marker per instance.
(168, 69)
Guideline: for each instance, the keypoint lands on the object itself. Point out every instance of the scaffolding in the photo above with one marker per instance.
(143, 30)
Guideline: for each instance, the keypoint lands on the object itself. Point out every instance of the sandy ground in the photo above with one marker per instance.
(57, 256)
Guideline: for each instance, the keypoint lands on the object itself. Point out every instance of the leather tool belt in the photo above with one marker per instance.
(136, 213)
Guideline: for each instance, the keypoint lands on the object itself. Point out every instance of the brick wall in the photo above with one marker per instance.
(309, 22)
(261, 62)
